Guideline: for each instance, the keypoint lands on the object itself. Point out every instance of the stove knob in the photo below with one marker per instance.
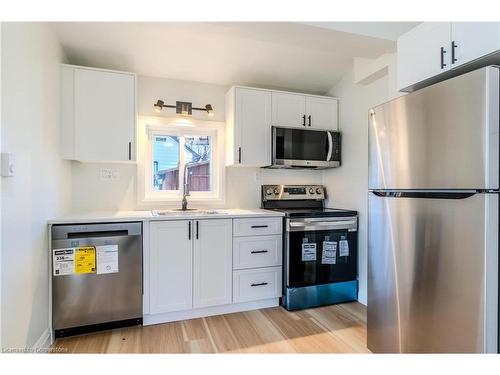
(276, 191)
(319, 190)
(311, 191)
(269, 191)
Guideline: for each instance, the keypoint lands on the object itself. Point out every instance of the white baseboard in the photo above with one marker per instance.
(149, 319)
(43, 342)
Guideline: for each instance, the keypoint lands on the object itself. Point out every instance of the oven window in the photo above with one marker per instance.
(298, 144)
(321, 257)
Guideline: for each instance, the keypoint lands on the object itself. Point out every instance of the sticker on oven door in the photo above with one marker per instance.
(329, 255)
(107, 259)
(308, 252)
(343, 248)
(85, 260)
(63, 261)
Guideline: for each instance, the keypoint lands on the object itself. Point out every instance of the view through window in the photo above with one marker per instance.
(171, 153)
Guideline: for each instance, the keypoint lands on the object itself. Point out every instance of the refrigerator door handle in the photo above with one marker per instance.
(425, 194)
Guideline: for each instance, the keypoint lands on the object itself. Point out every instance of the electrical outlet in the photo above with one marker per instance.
(108, 174)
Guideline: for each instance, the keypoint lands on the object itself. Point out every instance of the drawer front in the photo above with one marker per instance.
(257, 226)
(256, 284)
(258, 251)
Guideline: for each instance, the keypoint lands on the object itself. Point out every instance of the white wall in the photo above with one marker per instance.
(348, 186)
(41, 186)
(242, 184)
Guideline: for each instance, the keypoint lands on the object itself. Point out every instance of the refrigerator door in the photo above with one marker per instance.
(445, 136)
(432, 272)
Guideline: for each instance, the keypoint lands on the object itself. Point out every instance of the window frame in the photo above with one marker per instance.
(150, 126)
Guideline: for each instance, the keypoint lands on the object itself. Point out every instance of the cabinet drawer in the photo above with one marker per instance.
(256, 284)
(257, 226)
(259, 251)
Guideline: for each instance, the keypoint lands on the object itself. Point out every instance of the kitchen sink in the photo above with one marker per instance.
(189, 211)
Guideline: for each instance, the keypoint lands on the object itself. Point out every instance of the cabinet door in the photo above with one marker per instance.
(419, 52)
(212, 264)
(321, 113)
(104, 115)
(170, 266)
(253, 127)
(288, 109)
(474, 40)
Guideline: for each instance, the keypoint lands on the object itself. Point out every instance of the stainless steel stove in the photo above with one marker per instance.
(320, 246)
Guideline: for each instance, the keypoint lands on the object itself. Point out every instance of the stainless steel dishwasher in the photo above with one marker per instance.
(96, 277)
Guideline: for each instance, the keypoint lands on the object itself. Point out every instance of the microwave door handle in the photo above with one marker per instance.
(330, 146)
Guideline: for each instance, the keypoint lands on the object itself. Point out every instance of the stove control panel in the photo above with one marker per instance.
(293, 192)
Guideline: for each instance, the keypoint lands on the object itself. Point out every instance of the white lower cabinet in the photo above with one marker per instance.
(257, 284)
(192, 272)
(212, 264)
(170, 266)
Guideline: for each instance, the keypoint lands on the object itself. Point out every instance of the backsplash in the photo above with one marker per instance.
(92, 191)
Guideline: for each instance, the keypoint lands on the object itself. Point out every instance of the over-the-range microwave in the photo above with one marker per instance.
(305, 148)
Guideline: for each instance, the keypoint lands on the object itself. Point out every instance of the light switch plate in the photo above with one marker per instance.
(8, 165)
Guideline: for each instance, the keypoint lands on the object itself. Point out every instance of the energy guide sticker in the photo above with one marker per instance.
(85, 260)
(63, 261)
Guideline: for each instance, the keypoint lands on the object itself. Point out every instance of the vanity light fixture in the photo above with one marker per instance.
(183, 108)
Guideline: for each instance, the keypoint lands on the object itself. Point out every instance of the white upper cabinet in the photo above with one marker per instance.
(433, 48)
(289, 110)
(321, 113)
(248, 127)
(170, 266)
(304, 111)
(472, 40)
(98, 114)
(423, 52)
(212, 265)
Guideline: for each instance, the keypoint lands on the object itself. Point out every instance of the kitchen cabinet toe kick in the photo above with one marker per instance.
(151, 319)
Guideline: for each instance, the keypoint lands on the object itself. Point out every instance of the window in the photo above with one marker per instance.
(173, 156)
(169, 149)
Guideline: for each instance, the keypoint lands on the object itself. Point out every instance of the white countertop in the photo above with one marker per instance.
(118, 216)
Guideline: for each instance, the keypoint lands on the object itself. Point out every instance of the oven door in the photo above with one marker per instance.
(301, 148)
(320, 251)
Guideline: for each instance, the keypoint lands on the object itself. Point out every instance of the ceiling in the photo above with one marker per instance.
(292, 56)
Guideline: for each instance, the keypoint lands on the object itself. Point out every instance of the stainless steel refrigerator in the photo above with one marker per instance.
(433, 218)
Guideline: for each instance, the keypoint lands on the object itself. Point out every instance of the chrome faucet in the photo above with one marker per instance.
(185, 190)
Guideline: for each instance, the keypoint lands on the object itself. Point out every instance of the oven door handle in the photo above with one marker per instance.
(322, 225)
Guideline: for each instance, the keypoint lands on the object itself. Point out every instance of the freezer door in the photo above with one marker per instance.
(433, 273)
(445, 136)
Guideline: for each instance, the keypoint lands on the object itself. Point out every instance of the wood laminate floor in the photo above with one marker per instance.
(329, 329)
